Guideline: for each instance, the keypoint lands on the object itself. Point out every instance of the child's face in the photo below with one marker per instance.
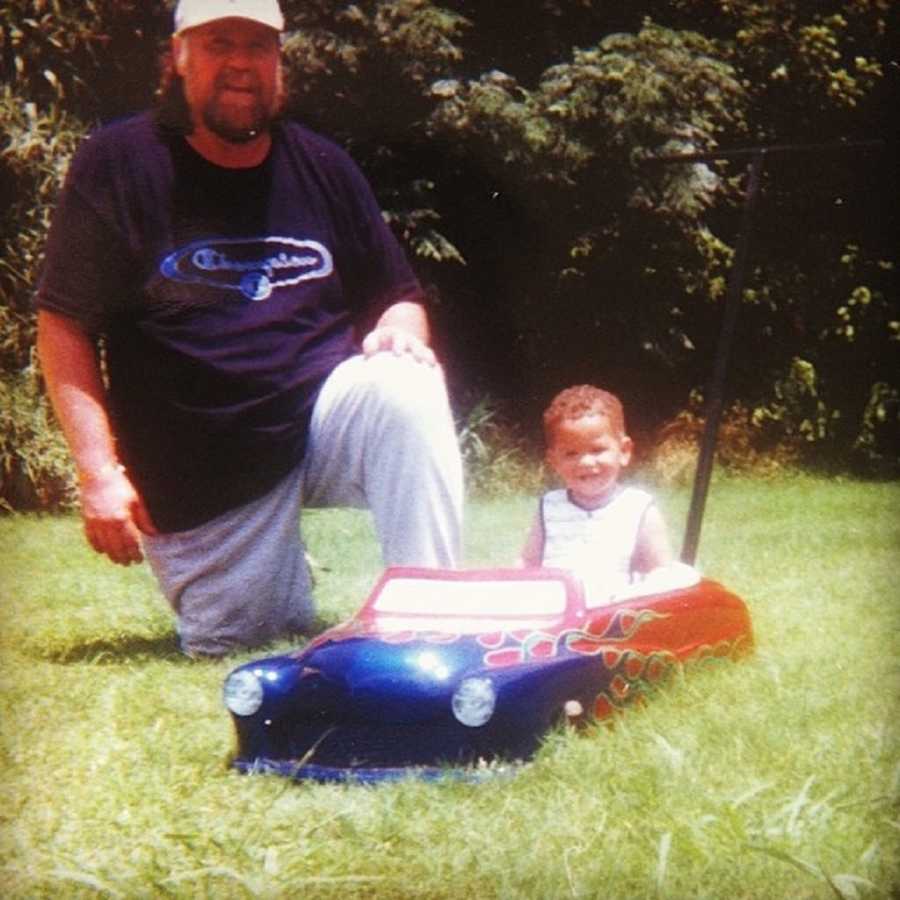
(588, 456)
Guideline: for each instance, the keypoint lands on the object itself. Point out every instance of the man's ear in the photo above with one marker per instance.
(179, 54)
(626, 448)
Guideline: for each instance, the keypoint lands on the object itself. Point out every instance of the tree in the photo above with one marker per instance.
(510, 156)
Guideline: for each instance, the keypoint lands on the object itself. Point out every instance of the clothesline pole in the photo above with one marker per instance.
(715, 396)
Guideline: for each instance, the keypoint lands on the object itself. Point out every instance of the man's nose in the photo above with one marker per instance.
(239, 72)
(240, 58)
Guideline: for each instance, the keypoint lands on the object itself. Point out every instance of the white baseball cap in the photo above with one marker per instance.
(191, 13)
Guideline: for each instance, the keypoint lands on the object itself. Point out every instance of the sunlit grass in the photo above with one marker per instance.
(777, 777)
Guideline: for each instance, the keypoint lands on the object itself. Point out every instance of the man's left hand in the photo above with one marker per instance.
(399, 341)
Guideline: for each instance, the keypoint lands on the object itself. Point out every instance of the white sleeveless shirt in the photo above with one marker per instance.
(597, 545)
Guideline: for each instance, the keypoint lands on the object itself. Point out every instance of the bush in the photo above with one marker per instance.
(496, 458)
(743, 445)
(876, 447)
(35, 470)
(36, 148)
(795, 426)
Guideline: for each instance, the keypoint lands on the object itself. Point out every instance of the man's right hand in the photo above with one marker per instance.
(114, 515)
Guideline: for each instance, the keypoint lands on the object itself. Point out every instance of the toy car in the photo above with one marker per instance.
(445, 669)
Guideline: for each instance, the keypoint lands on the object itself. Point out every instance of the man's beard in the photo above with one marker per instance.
(237, 126)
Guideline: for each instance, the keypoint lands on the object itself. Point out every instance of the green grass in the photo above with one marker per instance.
(776, 777)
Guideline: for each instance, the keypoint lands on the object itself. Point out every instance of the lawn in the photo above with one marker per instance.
(775, 777)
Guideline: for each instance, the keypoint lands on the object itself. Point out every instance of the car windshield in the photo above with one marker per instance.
(469, 605)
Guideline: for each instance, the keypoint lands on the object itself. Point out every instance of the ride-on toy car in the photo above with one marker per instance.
(442, 669)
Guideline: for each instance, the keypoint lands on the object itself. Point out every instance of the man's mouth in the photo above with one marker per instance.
(238, 87)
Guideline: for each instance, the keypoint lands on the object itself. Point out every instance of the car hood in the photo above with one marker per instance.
(362, 677)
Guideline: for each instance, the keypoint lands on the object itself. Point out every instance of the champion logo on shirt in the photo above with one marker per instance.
(253, 266)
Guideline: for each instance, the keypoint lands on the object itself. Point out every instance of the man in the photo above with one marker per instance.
(231, 271)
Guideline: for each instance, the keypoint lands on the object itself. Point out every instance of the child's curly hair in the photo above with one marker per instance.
(581, 400)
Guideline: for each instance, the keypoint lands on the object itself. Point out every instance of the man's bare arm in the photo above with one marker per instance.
(111, 508)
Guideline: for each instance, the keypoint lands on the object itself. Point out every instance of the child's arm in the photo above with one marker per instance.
(533, 551)
(653, 548)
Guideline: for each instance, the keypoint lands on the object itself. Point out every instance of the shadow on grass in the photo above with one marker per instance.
(116, 650)
(113, 650)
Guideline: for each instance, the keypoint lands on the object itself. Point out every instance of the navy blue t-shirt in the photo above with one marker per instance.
(224, 298)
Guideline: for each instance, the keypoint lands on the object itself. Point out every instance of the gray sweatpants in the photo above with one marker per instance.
(381, 437)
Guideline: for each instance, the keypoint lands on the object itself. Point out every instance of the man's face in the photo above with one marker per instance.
(588, 456)
(232, 77)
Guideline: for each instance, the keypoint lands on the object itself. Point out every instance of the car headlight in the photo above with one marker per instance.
(243, 692)
(473, 701)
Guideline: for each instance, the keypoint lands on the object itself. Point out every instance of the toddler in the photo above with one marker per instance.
(606, 534)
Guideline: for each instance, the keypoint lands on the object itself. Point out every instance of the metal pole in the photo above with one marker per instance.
(768, 149)
(716, 390)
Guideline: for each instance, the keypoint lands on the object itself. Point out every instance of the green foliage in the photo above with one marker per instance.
(511, 159)
(91, 56)
(796, 409)
(657, 91)
(579, 225)
(37, 146)
(878, 429)
(639, 93)
(496, 458)
(363, 51)
(764, 442)
(806, 64)
(361, 74)
(35, 471)
(785, 430)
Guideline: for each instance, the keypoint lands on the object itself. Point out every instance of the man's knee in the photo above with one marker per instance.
(407, 390)
(228, 629)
